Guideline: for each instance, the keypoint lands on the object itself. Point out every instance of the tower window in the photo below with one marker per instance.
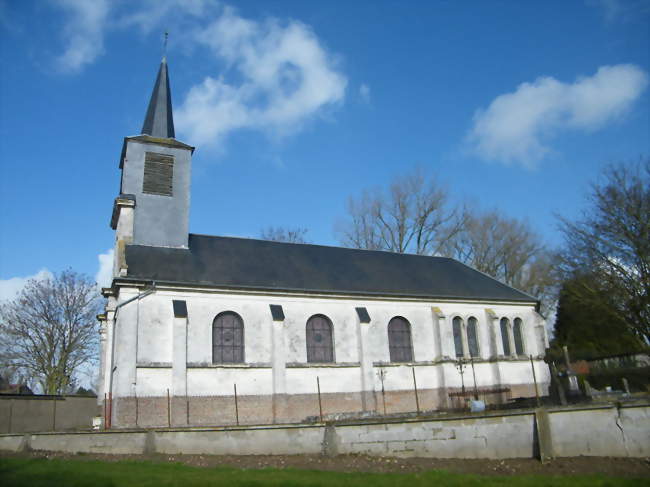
(158, 174)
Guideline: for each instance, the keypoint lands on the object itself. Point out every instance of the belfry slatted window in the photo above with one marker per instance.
(472, 339)
(399, 340)
(320, 346)
(519, 342)
(228, 339)
(505, 335)
(457, 325)
(158, 174)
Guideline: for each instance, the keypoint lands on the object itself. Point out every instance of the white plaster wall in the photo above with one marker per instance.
(153, 382)
(152, 317)
(154, 326)
(220, 381)
(332, 379)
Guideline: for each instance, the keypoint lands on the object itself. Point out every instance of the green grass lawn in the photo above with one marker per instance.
(71, 473)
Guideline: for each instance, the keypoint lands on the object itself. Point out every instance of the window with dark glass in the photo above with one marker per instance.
(505, 338)
(228, 339)
(472, 340)
(399, 340)
(320, 346)
(457, 326)
(519, 343)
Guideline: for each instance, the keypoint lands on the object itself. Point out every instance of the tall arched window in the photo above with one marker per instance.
(519, 342)
(228, 339)
(320, 347)
(505, 335)
(472, 340)
(399, 340)
(457, 325)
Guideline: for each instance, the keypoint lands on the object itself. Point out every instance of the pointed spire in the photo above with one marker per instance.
(159, 121)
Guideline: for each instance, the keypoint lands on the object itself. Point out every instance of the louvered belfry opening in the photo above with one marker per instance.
(399, 340)
(228, 339)
(319, 340)
(158, 174)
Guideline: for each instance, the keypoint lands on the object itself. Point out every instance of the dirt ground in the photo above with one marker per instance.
(617, 467)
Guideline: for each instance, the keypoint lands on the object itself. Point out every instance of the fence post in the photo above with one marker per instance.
(135, 393)
(415, 388)
(320, 404)
(474, 375)
(105, 407)
(187, 408)
(54, 413)
(532, 365)
(383, 393)
(110, 410)
(11, 413)
(169, 412)
(236, 406)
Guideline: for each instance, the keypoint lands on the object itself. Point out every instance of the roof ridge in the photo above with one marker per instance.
(322, 245)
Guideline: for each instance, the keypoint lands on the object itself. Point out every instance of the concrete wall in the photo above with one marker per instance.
(46, 413)
(620, 432)
(596, 431)
(275, 354)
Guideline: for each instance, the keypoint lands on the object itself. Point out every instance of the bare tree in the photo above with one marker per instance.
(50, 329)
(611, 241)
(284, 234)
(413, 216)
(506, 249)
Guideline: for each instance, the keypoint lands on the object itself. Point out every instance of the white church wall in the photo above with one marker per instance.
(150, 320)
(220, 381)
(153, 381)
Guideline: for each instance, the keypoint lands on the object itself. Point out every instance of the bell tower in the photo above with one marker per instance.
(154, 201)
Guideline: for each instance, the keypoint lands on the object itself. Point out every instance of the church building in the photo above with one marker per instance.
(206, 330)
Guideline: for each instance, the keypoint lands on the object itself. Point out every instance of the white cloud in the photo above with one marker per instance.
(364, 92)
(83, 33)
(517, 126)
(10, 288)
(152, 13)
(286, 77)
(283, 76)
(104, 275)
(621, 10)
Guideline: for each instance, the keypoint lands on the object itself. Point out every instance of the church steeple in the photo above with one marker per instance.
(159, 121)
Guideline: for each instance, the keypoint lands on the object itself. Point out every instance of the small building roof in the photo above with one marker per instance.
(230, 262)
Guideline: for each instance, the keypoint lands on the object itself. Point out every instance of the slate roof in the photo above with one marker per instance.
(260, 264)
(159, 121)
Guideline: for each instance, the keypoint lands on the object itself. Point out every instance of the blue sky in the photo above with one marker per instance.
(294, 106)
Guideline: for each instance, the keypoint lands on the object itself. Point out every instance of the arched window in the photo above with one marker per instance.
(519, 342)
(505, 335)
(399, 340)
(472, 340)
(319, 339)
(457, 325)
(228, 339)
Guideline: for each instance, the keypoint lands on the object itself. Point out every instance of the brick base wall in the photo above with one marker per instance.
(143, 412)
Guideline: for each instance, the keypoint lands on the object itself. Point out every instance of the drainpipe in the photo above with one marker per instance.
(149, 291)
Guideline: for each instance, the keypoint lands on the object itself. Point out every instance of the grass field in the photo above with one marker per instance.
(72, 473)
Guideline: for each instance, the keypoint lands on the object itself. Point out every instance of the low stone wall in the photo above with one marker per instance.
(588, 431)
(22, 413)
